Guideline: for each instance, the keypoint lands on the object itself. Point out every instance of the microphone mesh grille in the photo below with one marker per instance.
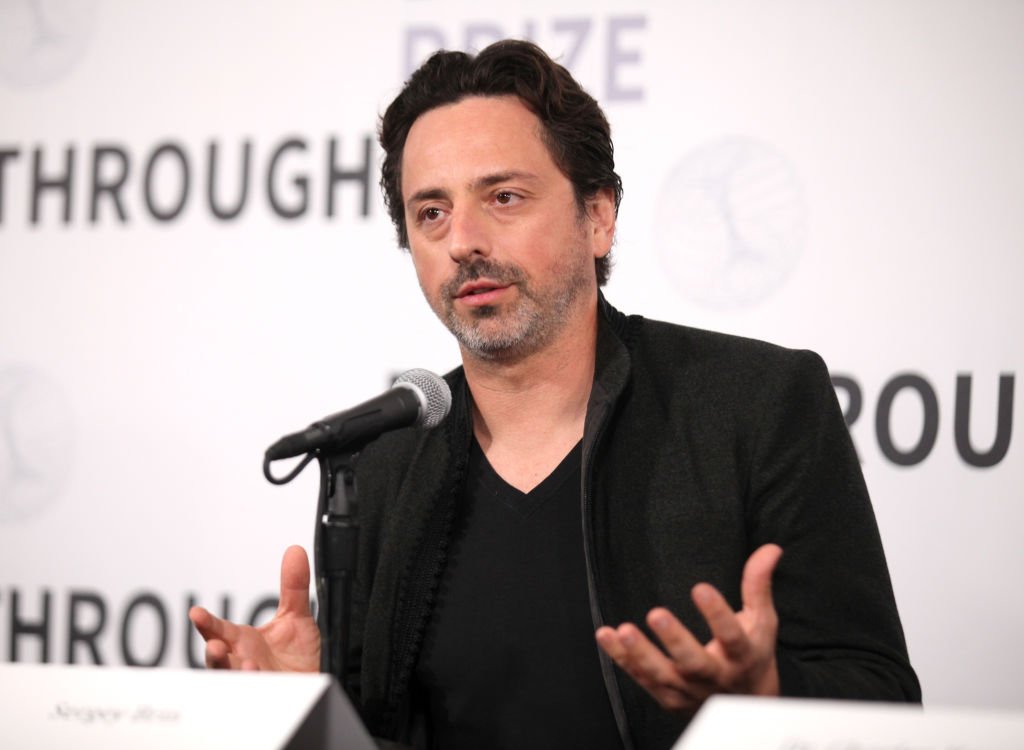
(435, 390)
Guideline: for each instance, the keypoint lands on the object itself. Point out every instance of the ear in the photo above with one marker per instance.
(601, 221)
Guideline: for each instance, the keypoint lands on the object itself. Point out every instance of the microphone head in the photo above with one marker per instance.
(435, 395)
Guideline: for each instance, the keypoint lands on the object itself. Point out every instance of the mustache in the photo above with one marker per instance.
(500, 273)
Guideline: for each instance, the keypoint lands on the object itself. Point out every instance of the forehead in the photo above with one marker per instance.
(479, 135)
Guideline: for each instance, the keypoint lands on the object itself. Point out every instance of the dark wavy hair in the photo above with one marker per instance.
(575, 129)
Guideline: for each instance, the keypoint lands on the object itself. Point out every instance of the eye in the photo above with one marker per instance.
(506, 198)
(430, 214)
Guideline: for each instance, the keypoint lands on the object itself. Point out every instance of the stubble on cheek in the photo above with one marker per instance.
(519, 326)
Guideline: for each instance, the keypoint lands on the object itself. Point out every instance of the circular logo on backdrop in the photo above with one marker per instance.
(41, 40)
(35, 442)
(730, 222)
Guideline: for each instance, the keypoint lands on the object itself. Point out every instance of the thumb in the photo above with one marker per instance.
(757, 577)
(294, 583)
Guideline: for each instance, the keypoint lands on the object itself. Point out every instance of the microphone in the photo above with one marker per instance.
(418, 398)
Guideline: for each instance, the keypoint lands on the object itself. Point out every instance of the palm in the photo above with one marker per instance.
(288, 643)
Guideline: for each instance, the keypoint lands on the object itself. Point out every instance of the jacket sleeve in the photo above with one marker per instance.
(839, 630)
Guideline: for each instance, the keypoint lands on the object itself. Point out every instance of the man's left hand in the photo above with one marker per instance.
(739, 658)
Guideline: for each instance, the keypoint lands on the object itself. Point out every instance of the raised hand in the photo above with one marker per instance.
(740, 657)
(290, 642)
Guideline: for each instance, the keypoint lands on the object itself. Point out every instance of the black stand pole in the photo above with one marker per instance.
(337, 539)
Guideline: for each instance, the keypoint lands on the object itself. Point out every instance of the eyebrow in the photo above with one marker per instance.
(427, 194)
(486, 181)
(490, 180)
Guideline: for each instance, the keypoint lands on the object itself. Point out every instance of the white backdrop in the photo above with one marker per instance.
(838, 176)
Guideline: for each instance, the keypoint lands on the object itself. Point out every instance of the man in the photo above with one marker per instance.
(595, 469)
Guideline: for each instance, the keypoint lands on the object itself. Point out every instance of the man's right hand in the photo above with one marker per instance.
(288, 643)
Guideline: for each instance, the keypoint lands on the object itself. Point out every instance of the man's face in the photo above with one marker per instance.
(502, 253)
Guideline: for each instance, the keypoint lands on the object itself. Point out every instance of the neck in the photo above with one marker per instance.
(528, 413)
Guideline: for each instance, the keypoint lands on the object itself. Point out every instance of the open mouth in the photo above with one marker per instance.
(478, 288)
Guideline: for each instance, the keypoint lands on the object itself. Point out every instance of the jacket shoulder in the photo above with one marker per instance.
(705, 358)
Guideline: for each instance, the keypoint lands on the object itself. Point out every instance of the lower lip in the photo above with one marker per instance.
(483, 298)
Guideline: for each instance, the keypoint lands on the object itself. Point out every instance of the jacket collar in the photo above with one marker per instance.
(615, 334)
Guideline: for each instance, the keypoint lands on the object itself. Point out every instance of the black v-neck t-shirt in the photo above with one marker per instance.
(509, 659)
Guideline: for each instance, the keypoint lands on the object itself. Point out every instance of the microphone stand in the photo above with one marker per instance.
(334, 553)
(335, 547)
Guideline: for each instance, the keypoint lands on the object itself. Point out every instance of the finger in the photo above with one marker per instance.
(211, 627)
(199, 616)
(641, 659)
(757, 577)
(688, 654)
(608, 640)
(725, 626)
(218, 655)
(675, 696)
(294, 583)
(682, 701)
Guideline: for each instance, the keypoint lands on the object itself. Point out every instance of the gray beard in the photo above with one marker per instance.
(533, 320)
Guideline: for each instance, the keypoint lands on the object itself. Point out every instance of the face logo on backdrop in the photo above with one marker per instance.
(35, 442)
(730, 222)
(42, 40)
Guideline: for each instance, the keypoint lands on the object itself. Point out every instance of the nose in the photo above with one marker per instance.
(468, 235)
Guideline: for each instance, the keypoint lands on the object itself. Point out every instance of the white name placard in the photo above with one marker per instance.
(50, 706)
(744, 723)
